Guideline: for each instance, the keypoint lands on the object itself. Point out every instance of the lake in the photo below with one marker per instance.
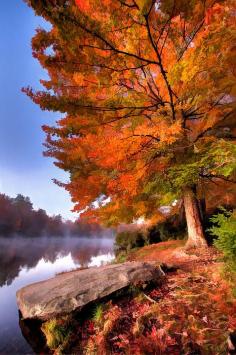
(27, 260)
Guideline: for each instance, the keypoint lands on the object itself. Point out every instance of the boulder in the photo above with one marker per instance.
(73, 290)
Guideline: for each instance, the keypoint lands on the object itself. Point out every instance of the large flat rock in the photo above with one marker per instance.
(73, 290)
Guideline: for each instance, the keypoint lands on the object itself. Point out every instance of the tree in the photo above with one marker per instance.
(23, 213)
(6, 215)
(148, 88)
(55, 226)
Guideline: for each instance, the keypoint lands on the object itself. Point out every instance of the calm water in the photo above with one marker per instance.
(27, 260)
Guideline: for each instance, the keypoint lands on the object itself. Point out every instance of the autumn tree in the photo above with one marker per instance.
(148, 91)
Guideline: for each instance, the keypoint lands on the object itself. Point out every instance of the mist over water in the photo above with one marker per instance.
(27, 260)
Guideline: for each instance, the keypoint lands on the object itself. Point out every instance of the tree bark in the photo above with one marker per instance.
(196, 238)
(202, 209)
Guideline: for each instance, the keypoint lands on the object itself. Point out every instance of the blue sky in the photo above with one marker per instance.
(23, 169)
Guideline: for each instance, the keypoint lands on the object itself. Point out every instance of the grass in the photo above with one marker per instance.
(98, 314)
(57, 332)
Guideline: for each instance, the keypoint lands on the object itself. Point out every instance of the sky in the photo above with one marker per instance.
(23, 169)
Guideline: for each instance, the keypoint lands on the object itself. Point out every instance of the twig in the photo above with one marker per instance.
(149, 298)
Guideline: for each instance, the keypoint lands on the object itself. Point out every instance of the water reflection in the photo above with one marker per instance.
(25, 260)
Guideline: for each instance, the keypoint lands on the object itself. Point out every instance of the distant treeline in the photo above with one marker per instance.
(17, 217)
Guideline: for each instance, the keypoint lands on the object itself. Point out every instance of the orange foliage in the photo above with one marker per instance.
(148, 89)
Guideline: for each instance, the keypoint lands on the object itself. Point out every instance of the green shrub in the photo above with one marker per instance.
(121, 257)
(224, 229)
(125, 241)
(56, 331)
(169, 229)
(172, 228)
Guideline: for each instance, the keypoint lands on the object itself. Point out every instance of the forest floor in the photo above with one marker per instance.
(192, 311)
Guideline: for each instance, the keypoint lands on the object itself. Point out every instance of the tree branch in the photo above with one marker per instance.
(210, 128)
(163, 72)
(104, 40)
(212, 176)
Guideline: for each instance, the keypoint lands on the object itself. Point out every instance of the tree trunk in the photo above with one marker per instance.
(196, 236)
(202, 209)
